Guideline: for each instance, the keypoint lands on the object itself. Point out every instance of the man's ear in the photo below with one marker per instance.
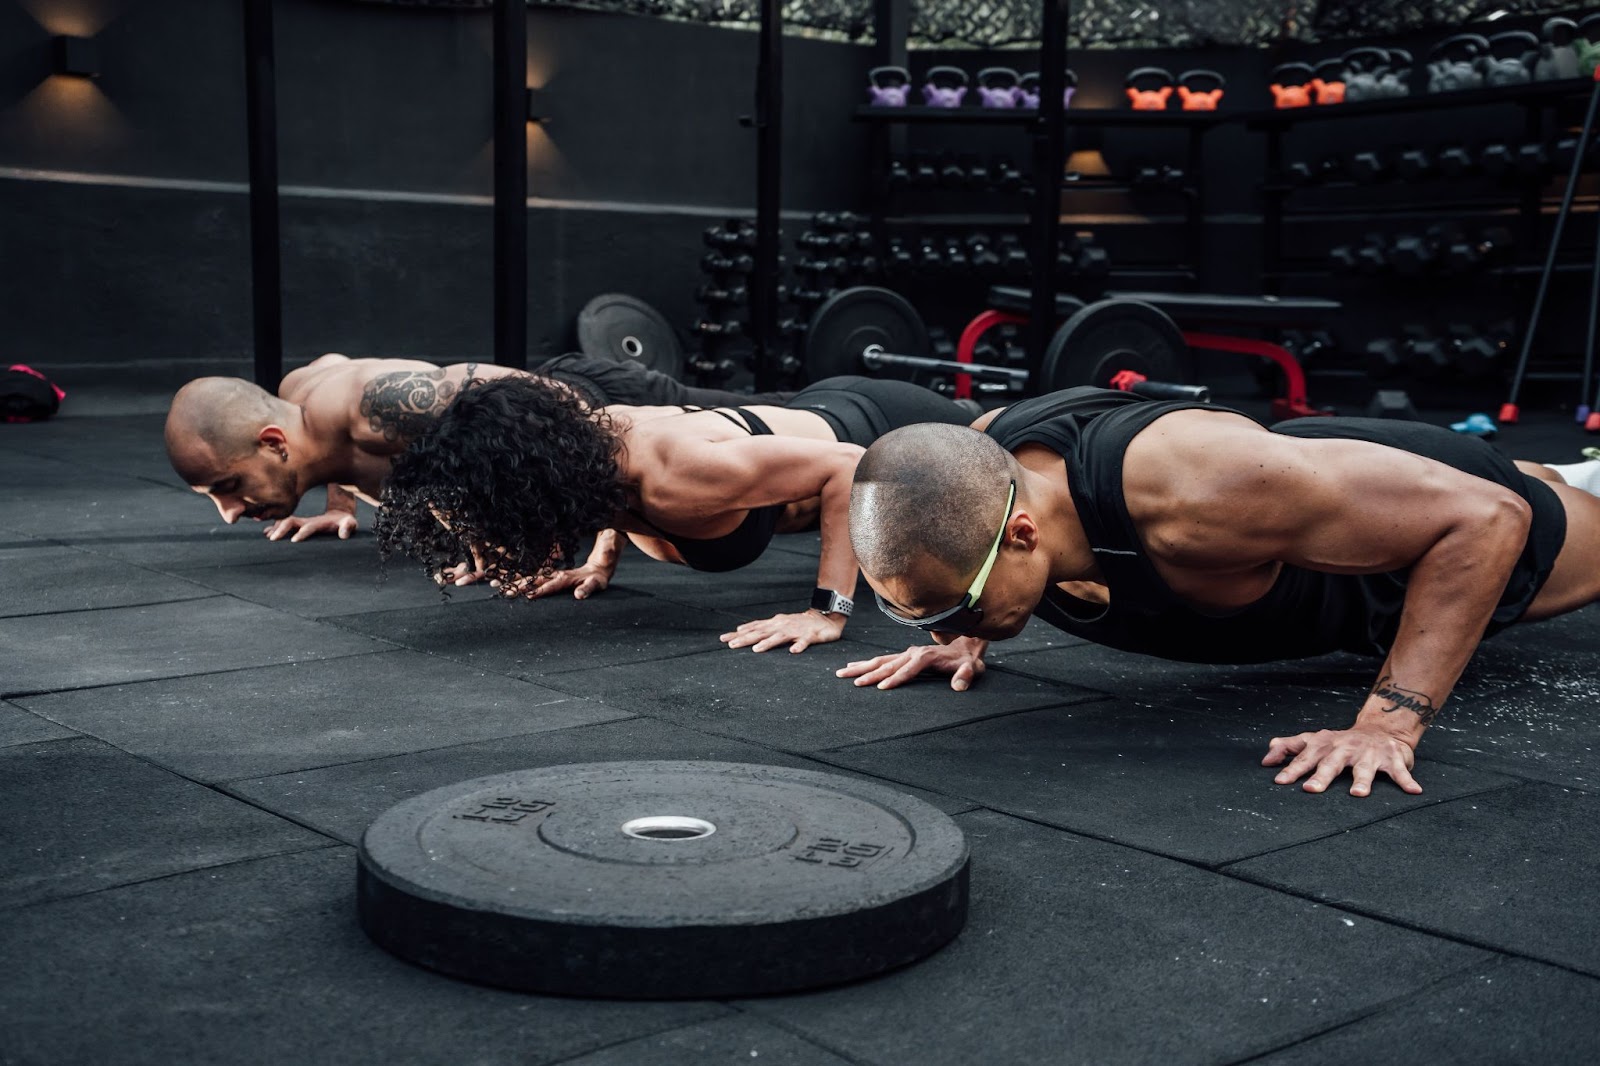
(274, 439)
(1022, 531)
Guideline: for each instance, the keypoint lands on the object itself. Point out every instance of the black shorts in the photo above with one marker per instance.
(602, 382)
(861, 410)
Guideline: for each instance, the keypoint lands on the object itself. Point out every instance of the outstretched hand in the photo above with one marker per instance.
(799, 631)
(341, 522)
(584, 581)
(1365, 752)
(962, 659)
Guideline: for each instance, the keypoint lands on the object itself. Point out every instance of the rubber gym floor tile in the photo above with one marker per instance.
(131, 445)
(45, 578)
(778, 577)
(119, 644)
(741, 1039)
(82, 816)
(263, 962)
(26, 474)
(251, 723)
(324, 584)
(1514, 869)
(795, 702)
(99, 508)
(1159, 780)
(1081, 951)
(1502, 1012)
(559, 634)
(1546, 729)
(190, 539)
(342, 800)
(18, 726)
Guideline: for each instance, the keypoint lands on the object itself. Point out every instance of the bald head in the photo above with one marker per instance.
(928, 490)
(214, 421)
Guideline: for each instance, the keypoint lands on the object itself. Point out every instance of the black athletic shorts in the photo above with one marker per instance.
(863, 409)
(604, 381)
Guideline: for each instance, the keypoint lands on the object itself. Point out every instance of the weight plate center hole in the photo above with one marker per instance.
(668, 827)
(633, 347)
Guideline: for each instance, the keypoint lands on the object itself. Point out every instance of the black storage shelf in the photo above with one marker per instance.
(1534, 94)
(1083, 116)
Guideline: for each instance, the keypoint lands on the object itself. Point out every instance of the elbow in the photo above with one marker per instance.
(1506, 520)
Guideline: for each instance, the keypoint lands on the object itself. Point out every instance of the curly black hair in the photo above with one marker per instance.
(520, 470)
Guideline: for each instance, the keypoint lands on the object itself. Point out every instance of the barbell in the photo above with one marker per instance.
(1110, 344)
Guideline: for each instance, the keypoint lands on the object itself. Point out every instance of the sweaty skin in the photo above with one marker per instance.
(1219, 526)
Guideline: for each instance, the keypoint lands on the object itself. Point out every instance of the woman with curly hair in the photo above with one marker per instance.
(515, 475)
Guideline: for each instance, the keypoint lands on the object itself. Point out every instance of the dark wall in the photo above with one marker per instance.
(127, 194)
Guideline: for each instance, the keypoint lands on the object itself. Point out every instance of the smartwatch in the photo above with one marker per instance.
(830, 602)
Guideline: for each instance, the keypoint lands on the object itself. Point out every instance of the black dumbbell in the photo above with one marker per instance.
(923, 172)
(727, 264)
(710, 372)
(726, 239)
(1429, 355)
(981, 254)
(955, 255)
(714, 294)
(1298, 173)
(1367, 167)
(927, 255)
(939, 343)
(731, 327)
(899, 174)
(1463, 254)
(1496, 159)
(808, 297)
(1369, 257)
(1533, 160)
(1413, 164)
(978, 176)
(952, 175)
(1090, 260)
(1454, 161)
(900, 256)
(1386, 358)
(1006, 176)
(1013, 256)
(1478, 353)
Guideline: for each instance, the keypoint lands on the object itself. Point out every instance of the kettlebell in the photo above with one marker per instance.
(1586, 45)
(1149, 98)
(888, 86)
(944, 87)
(1509, 60)
(1394, 79)
(1558, 54)
(1327, 84)
(1200, 90)
(997, 87)
(1291, 85)
(1453, 66)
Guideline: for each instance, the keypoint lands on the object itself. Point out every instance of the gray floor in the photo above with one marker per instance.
(197, 724)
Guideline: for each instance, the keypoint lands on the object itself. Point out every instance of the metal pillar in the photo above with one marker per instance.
(769, 199)
(261, 126)
(1049, 159)
(511, 183)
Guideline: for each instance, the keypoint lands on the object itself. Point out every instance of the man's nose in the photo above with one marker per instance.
(230, 509)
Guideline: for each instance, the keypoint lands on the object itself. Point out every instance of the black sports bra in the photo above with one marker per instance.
(743, 545)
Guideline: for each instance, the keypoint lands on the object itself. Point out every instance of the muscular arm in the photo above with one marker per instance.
(1245, 499)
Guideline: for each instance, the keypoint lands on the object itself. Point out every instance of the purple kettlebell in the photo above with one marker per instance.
(997, 87)
(889, 86)
(1027, 90)
(945, 87)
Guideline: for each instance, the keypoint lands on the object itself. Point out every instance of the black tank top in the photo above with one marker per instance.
(1306, 612)
(744, 544)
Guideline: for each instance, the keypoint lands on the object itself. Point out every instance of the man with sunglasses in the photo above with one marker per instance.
(1193, 533)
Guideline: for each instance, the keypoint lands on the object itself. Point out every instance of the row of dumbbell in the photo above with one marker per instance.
(952, 171)
(1441, 249)
(1495, 159)
(994, 256)
(1462, 349)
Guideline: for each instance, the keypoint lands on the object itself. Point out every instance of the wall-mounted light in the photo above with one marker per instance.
(537, 106)
(78, 57)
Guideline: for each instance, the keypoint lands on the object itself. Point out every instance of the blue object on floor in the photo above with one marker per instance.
(1479, 425)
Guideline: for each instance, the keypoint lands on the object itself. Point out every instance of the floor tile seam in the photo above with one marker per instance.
(807, 756)
(579, 1056)
(13, 696)
(209, 595)
(330, 844)
(1071, 701)
(1374, 915)
(753, 1009)
(1499, 786)
(36, 452)
(1377, 1009)
(635, 662)
(1524, 777)
(224, 783)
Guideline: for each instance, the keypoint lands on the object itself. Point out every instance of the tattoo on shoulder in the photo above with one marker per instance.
(1405, 699)
(404, 404)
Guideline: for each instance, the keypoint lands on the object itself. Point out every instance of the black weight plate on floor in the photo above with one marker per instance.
(850, 320)
(626, 329)
(1112, 335)
(528, 880)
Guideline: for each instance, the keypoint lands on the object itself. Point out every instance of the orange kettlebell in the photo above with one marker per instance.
(1194, 98)
(1290, 84)
(1148, 97)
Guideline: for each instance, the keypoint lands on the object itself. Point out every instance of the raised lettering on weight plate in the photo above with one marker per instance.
(505, 810)
(833, 851)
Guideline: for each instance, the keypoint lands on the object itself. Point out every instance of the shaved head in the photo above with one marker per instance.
(928, 490)
(214, 421)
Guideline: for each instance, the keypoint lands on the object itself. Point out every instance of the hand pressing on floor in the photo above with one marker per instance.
(342, 523)
(1365, 750)
(961, 658)
(799, 631)
(584, 581)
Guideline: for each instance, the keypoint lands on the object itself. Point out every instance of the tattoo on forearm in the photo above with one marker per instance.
(404, 404)
(1405, 699)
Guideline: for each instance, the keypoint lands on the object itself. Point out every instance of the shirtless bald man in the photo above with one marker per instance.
(1196, 534)
(340, 422)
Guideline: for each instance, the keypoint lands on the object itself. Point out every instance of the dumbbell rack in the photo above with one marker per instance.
(1539, 102)
(1044, 218)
